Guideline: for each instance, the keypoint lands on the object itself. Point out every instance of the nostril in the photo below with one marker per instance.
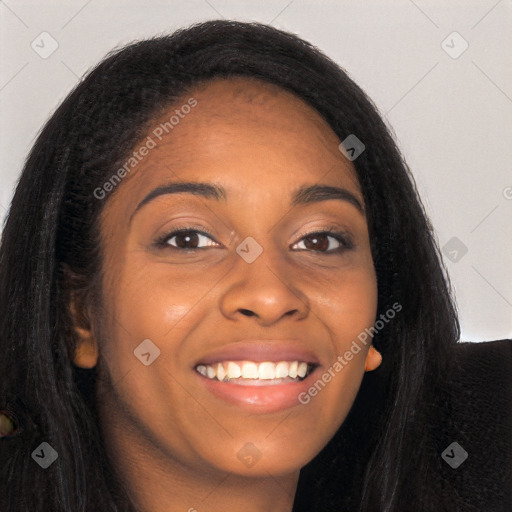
(247, 312)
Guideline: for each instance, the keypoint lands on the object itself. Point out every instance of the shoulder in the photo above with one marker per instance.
(485, 356)
(481, 384)
(476, 414)
(482, 371)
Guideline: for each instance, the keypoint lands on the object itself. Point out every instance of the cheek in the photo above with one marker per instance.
(156, 301)
(151, 302)
(150, 299)
(347, 303)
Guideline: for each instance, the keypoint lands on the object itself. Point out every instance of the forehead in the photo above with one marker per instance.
(231, 111)
(248, 135)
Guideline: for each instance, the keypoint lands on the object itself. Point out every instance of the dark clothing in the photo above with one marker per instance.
(481, 411)
(467, 436)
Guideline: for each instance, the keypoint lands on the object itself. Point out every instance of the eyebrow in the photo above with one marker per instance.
(316, 193)
(303, 196)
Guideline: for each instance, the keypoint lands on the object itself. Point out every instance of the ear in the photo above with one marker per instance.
(373, 359)
(86, 350)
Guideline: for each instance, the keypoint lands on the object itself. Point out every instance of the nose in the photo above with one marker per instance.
(264, 293)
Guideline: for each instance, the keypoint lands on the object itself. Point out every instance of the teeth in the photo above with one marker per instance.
(266, 371)
(233, 371)
(210, 372)
(256, 371)
(302, 369)
(249, 371)
(221, 373)
(281, 370)
(292, 370)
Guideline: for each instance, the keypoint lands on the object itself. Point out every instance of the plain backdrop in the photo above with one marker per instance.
(439, 72)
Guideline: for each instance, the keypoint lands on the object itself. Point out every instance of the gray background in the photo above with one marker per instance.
(450, 110)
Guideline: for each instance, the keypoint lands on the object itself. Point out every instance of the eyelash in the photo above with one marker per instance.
(343, 238)
(163, 241)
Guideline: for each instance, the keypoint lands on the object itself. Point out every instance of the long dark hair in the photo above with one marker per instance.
(384, 451)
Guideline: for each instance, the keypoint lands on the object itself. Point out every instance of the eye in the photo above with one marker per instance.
(187, 239)
(325, 242)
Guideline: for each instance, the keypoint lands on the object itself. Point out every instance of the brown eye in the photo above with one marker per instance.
(187, 239)
(324, 242)
(317, 242)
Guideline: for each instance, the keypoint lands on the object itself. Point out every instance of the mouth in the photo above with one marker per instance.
(254, 373)
(272, 392)
(258, 376)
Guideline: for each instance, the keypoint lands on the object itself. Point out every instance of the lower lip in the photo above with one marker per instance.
(260, 398)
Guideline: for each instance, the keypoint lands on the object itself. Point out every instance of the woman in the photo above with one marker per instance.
(220, 291)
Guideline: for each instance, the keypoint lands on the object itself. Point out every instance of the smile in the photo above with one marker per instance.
(267, 387)
(251, 373)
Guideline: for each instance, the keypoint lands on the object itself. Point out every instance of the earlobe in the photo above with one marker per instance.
(86, 353)
(86, 350)
(373, 359)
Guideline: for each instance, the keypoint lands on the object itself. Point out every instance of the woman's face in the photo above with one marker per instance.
(250, 283)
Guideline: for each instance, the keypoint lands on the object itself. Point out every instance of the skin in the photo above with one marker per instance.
(174, 443)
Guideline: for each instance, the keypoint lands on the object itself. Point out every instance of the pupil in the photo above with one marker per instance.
(183, 239)
(316, 242)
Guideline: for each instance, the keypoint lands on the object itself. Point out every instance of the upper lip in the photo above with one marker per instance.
(260, 351)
